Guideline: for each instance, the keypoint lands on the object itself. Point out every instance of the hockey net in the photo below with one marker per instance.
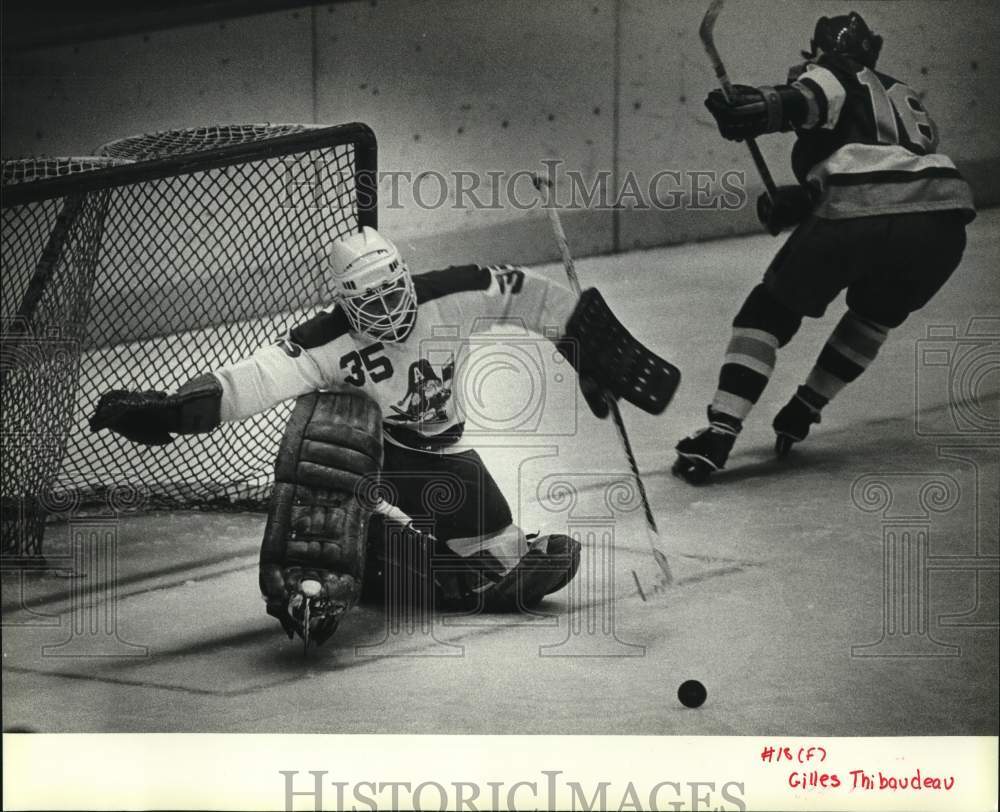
(50, 252)
(189, 250)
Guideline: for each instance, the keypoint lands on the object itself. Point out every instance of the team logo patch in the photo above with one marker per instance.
(428, 395)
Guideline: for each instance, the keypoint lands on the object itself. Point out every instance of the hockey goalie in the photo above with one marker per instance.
(376, 436)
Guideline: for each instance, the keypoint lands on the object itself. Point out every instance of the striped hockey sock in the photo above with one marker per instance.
(762, 325)
(851, 347)
(749, 362)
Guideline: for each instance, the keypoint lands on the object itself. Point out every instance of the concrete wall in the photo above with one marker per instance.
(448, 86)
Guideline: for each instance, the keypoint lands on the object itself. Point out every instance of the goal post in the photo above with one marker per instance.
(212, 245)
(50, 250)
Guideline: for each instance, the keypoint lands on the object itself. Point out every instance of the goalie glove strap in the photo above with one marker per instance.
(195, 409)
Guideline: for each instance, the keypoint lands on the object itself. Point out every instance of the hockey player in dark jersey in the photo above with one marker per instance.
(877, 211)
(376, 487)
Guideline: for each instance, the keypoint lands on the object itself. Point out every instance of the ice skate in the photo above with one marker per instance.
(791, 424)
(703, 453)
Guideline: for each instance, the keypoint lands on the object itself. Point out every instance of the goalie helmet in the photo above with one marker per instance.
(372, 284)
(847, 35)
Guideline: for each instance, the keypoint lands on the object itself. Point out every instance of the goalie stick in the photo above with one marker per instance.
(652, 531)
(707, 33)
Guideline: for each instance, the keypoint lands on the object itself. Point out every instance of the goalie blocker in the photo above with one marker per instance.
(609, 358)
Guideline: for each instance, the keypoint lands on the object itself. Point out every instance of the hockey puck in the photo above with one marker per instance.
(310, 588)
(692, 693)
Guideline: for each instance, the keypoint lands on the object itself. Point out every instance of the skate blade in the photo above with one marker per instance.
(694, 472)
(782, 445)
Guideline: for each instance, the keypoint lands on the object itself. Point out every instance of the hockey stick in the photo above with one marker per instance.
(652, 531)
(707, 33)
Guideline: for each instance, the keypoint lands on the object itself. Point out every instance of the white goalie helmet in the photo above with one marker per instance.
(372, 284)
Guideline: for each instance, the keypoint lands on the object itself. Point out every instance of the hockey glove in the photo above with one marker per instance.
(790, 206)
(151, 417)
(753, 111)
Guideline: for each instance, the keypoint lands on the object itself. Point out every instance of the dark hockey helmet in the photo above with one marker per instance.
(847, 35)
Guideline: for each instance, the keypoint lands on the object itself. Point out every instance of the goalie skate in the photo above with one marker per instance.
(563, 555)
(550, 564)
(411, 567)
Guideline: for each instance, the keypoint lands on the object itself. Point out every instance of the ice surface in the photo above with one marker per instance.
(779, 565)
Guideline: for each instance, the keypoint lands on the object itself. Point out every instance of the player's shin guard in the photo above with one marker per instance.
(317, 523)
(848, 352)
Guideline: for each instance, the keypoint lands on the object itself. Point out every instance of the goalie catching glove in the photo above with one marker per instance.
(152, 417)
(613, 363)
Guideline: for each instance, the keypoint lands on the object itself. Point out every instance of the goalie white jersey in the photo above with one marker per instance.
(411, 380)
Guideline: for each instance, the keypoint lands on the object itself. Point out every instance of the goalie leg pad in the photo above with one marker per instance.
(317, 523)
(610, 355)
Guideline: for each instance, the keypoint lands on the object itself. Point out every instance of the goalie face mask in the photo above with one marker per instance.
(373, 286)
